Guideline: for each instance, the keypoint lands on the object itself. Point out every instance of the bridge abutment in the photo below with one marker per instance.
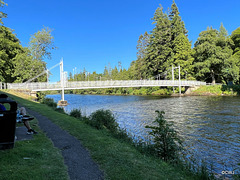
(190, 89)
(62, 103)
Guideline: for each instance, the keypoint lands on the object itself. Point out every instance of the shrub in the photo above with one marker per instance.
(60, 110)
(166, 141)
(76, 113)
(40, 96)
(101, 119)
(50, 102)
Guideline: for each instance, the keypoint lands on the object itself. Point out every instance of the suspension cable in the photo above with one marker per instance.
(45, 71)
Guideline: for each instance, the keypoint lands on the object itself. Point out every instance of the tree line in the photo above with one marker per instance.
(215, 56)
(18, 63)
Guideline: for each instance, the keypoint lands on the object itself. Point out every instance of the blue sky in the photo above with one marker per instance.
(91, 33)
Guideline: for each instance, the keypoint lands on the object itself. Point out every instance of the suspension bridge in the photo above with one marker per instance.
(64, 84)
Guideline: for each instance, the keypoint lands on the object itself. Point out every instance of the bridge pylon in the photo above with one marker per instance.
(62, 102)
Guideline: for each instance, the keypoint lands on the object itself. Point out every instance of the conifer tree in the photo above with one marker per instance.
(177, 25)
(159, 49)
(183, 56)
(181, 47)
(141, 67)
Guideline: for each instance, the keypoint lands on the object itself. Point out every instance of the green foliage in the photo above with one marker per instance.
(77, 113)
(105, 149)
(159, 48)
(236, 39)
(166, 140)
(60, 110)
(16, 63)
(161, 92)
(41, 44)
(10, 50)
(41, 96)
(211, 52)
(50, 102)
(182, 55)
(139, 68)
(2, 14)
(101, 119)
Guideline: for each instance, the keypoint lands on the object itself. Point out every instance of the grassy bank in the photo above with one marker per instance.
(218, 90)
(32, 159)
(118, 159)
(121, 91)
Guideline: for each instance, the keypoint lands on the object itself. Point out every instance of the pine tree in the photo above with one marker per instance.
(159, 49)
(181, 47)
(183, 55)
(177, 25)
(140, 65)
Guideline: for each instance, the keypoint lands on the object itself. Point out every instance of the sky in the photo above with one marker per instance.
(91, 34)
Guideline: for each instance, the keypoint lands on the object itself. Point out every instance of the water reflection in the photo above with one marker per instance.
(209, 125)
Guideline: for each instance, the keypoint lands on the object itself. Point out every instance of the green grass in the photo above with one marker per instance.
(218, 90)
(32, 159)
(118, 159)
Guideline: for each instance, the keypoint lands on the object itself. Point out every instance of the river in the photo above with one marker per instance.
(210, 126)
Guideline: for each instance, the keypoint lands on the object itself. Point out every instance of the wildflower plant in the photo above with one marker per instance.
(167, 143)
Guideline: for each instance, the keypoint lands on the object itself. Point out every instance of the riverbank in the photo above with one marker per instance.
(34, 157)
(217, 90)
(110, 152)
(209, 90)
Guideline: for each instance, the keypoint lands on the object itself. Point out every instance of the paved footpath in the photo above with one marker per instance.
(76, 157)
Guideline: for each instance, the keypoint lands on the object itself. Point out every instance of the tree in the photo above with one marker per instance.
(177, 25)
(236, 39)
(230, 69)
(183, 55)
(106, 73)
(26, 68)
(159, 48)
(9, 48)
(41, 44)
(16, 63)
(181, 47)
(140, 65)
(115, 73)
(211, 52)
(2, 14)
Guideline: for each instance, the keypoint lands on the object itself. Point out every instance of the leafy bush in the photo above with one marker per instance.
(101, 119)
(60, 110)
(50, 102)
(166, 141)
(76, 113)
(40, 96)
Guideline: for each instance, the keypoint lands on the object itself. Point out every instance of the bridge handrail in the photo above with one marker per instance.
(101, 84)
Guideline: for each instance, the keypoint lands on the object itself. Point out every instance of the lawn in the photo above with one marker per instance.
(118, 159)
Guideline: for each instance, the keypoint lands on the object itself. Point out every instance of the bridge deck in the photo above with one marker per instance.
(44, 86)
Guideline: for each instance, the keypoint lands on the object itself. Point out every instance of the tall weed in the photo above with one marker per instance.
(167, 143)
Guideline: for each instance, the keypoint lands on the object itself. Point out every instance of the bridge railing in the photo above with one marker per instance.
(100, 84)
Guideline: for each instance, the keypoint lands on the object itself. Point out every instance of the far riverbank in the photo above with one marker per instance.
(209, 90)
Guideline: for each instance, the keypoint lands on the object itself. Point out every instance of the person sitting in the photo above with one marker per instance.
(21, 116)
(25, 119)
(2, 107)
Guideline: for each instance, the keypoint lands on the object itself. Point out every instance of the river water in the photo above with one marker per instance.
(210, 126)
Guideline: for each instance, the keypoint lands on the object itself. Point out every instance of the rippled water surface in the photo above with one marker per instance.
(209, 125)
